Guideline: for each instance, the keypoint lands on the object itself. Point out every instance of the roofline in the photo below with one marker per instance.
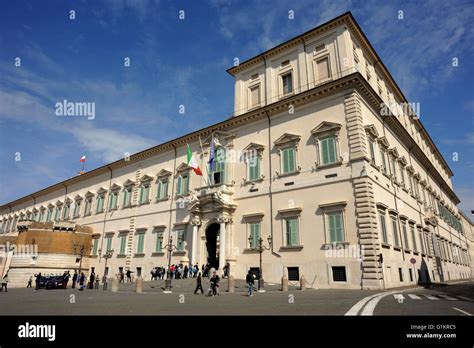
(466, 217)
(378, 61)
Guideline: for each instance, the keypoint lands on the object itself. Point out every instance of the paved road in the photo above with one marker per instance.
(310, 302)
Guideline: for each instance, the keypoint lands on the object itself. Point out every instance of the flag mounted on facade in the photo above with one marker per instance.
(191, 161)
(211, 155)
(83, 159)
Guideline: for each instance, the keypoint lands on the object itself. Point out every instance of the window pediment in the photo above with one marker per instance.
(50, 205)
(58, 203)
(290, 211)
(287, 139)
(410, 169)
(183, 167)
(163, 173)
(402, 160)
(326, 127)
(221, 138)
(254, 147)
(129, 183)
(115, 187)
(146, 178)
(68, 200)
(101, 190)
(393, 151)
(78, 198)
(253, 216)
(332, 205)
(417, 176)
(384, 142)
(89, 194)
(372, 131)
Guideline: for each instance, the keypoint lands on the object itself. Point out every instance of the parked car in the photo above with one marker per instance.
(42, 283)
(55, 282)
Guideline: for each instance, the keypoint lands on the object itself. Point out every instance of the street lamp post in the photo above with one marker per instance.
(82, 252)
(261, 248)
(170, 247)
(108, 254)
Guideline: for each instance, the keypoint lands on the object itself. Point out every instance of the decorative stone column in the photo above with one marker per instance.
(222, 241)
(196, 222)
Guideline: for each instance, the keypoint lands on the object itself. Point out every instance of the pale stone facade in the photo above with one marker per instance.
(334, 167)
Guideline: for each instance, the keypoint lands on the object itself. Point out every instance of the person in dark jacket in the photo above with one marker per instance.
(66, 279)
(199, 284)
(74, 279)
(250, 281)
(38, 280)
(214, 283)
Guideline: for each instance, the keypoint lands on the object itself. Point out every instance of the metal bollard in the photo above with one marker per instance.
(302, 283)
(139, 285)
(231, 285)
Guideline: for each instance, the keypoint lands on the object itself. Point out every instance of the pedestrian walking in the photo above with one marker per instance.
(29, 282)
(5, 282)
(250, 281)
(97, 280)
(199, 284)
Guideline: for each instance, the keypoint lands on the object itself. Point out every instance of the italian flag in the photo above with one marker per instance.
(191, 161)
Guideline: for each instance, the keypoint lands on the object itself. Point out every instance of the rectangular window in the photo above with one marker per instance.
(422, 242)
(288, 160)
(383, 227)
(339, 274)
(402, 176)
(65, 212)
(183, 184)
(394, 169)
(180, 240)
(400, 274)
(396, 240)
(405, 236)
(254, 234)
(254, 168)
(57, 214)
(100, 204)
(328, 150)
(322, 68)
(413, 237)
(113, 200)
(50, 213)
(109, 243)
(140, 242)
(384, 164)
(95, 245)
(127, 197)
(411, 274)
(162, 190)
(144, 192)
(77, 208)
(287, 83)
(336, 227)
(255, 96)
(372, 151)
(87, 208)
(293, 274)
(292, 233)
(159, 242)
(123, 243)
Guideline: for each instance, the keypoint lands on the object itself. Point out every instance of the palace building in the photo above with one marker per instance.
(324, 156)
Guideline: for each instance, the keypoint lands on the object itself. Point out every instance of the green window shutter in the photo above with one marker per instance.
(254, 168)
(186, 184)
(292, 159)
(141, 240)
(123, 240)
(395, 232)
(294, 231)
(324, 151)
(179, 189)
(180, 239)
(383, 226)
(339, 227)
(158, 242)
(94, 249)
(284, 155)
(109, 243)
(254, 234)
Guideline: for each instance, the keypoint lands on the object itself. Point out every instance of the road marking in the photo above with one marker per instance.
(399, 297)
(370, 306)
(431, 297)
(449, 298)
(466, 298)
(356, 308)
(460, 310)
(414, 297)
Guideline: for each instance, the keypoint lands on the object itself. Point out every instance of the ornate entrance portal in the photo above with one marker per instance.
(212, 247)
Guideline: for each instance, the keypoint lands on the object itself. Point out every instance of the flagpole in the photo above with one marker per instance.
(202, 152)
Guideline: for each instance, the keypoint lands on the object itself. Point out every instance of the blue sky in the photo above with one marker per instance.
(182, 62)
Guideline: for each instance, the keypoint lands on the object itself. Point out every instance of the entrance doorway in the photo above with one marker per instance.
(212, 247)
